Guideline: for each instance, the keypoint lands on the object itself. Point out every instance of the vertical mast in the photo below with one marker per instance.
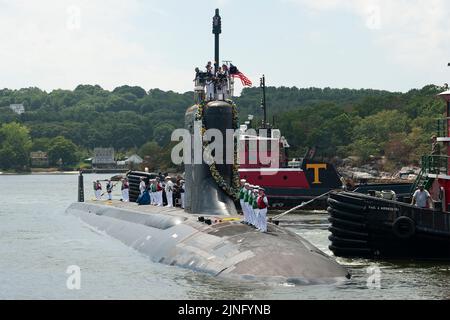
(217, 30)
(263, 101)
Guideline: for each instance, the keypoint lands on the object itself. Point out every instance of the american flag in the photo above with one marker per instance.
(235, 73)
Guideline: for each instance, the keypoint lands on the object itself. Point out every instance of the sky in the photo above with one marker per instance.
(394, 45)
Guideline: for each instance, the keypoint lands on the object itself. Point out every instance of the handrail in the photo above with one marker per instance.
(431, 164)
(435, 163)
(442, 127)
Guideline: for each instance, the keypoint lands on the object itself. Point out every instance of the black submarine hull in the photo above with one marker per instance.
(226, 248)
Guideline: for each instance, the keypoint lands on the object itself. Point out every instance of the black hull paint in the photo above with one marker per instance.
(369, 227)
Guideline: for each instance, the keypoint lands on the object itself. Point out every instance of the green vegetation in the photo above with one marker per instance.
(340, 122)
(15, 144)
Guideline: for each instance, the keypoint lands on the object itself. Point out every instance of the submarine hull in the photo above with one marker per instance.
(225, 248)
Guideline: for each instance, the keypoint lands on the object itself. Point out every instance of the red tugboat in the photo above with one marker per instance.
(373, 227)
(290, 181)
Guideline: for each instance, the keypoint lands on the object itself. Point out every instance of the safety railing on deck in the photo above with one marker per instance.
(435, 164)
(430, 165)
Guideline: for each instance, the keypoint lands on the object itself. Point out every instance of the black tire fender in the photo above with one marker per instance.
(404, 227)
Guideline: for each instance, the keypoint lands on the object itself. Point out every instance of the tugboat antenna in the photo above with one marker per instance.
(263, 100)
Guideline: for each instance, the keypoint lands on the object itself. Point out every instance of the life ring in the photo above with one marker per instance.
(404, 227)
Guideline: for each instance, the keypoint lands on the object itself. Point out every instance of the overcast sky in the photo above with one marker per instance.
(384, 44)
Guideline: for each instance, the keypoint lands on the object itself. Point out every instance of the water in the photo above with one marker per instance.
(38, 242)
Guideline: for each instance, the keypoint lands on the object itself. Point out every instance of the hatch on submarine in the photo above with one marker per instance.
(208, 236)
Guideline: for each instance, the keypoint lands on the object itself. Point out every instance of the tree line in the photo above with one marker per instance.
(69, 124)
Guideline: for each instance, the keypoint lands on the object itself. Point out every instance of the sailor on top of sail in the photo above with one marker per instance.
(209, 82)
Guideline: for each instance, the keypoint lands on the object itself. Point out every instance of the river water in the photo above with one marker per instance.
(39, 241)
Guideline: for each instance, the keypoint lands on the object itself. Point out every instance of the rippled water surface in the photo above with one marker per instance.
(38, 242)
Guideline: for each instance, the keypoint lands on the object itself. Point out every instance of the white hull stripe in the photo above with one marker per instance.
(271, 170)
(439, 176)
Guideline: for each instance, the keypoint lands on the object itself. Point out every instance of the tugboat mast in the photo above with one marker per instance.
(263, 101)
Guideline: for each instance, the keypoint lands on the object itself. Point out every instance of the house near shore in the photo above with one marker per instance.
(17, 108)
(39, 159)
(103, 158)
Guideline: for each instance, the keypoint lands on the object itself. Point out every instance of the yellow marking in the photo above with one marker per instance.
(316, 168)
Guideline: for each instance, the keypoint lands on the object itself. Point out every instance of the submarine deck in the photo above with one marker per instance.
(178, 212)
(226, 247)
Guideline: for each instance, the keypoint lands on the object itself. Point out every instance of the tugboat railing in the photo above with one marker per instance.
(435, 164)
(431, 164)
(442, 127)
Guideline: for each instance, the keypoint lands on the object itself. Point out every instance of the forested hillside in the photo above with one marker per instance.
(340, 122)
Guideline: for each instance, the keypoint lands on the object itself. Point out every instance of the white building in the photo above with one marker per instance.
(134, 159)
(17, 108)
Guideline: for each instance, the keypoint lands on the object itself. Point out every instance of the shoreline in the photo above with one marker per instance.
(44, 173)
(64, 172)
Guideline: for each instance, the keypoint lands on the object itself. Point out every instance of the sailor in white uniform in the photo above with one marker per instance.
(125, 190)
(159, 193)
(255, 210)
(263, 205)
(251, 212)
(169, 192)
(98, 190)
(142, 186)
(153, 198)
(182, 191)
(209, 82)
(241, 198)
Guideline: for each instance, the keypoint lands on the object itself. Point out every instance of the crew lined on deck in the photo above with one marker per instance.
(254, 204)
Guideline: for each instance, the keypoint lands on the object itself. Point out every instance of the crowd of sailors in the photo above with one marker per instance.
(125, 188)
(153, 192)
(162, 190)
(215, 81)
(158, 191)
(254, 204)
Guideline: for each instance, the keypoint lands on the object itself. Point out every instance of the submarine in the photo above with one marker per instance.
(208, 236)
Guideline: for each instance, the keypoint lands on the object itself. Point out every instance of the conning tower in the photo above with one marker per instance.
(211, 187)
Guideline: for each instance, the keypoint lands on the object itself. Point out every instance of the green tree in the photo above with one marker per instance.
(15, 145)
(64, 149)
